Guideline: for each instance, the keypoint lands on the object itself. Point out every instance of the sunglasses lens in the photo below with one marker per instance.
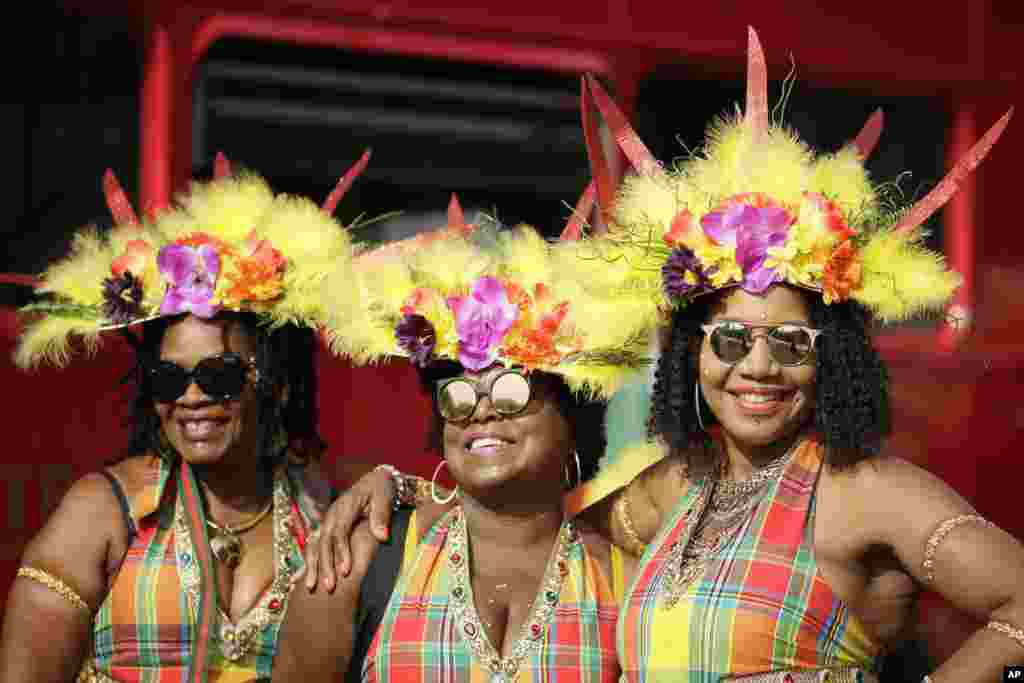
(790, 345)
(456, 399)
(729, 342)
(221, 376)
(510, 393)
(168, 381)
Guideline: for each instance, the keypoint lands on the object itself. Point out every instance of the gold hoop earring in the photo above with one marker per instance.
(433, 486)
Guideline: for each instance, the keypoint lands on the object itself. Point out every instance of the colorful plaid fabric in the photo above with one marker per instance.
(419, 640)
(760, 604)
(145, 629)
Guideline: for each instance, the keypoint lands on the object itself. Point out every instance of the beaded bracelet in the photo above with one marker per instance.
(1008, 630)
(405, 495)
(939, 535)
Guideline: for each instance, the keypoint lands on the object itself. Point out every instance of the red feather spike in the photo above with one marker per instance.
(756, 112)
(868, 136)
(602, 174)
(942, 192)
(221, 166)
(117, 201)
(19, 279)
(456, 217)
(574, 227)
(331, 203)
(627, 139)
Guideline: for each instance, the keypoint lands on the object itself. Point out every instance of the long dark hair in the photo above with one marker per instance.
(285, 356)
(852, 406)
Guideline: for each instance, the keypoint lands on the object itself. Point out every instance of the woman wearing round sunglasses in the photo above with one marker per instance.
(496, 584)
(778, 539)
(175, 562)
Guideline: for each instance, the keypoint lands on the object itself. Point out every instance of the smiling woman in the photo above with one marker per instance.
(176, 560)
(516, 354)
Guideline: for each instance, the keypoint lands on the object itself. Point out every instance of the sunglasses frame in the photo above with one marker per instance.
(191, 376)
(480, 394)
(748, 328)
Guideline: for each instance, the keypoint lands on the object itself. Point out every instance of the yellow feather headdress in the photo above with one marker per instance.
(230, 244)
(479, 297)
(757, 206)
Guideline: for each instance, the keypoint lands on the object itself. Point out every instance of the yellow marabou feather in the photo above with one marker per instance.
(228, 208)
(901, 278)
(49, 340)
(842, 178)
(79, 277)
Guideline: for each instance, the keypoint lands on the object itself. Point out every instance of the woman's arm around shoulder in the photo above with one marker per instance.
(62, 580)
(632, 516)
(947, 547)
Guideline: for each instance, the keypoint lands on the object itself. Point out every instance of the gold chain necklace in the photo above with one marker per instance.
(723, 509)
(226, 544)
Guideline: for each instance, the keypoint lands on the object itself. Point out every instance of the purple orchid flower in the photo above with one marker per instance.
(191, 274)
(752, 230)
(481, 321)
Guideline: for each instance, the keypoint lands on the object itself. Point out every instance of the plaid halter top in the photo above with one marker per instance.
(425, 637)
(154, 626)
(759, 603)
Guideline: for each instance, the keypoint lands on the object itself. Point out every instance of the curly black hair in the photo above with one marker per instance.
(851, 411)
(285, 356)
(585, 417)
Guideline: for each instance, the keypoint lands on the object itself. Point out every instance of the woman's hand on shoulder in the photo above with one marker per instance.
(46, 633)
(319, 630)
(330, 552)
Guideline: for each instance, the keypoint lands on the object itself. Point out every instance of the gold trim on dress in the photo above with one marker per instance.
(56, 585)
(848, 674)
(939, 535)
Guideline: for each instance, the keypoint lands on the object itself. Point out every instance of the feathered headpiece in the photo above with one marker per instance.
(478, 297)
(228, 245)
(757, 206)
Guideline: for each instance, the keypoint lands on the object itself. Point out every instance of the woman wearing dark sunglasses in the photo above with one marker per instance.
(176, 561)
(495, 583)
(779, 540)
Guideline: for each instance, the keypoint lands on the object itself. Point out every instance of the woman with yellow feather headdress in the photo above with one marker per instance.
(175, 562)
(518, 356)
(777, 539)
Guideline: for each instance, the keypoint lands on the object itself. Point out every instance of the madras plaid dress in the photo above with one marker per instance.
(760, 604)
(419, 640)
(145, 630)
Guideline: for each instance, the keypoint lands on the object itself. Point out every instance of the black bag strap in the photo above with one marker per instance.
(375, 591)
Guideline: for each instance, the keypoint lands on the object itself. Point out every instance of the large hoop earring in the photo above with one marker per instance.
(433, 486)
(579, 472)
(696, 403)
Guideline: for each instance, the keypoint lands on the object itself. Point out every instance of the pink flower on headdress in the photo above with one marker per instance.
(191, 275)
(481, 321)
(752, 230)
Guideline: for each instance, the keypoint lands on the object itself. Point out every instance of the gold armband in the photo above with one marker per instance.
(56, 585)
(622, 513)
(939, 535)
(1008, 630)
